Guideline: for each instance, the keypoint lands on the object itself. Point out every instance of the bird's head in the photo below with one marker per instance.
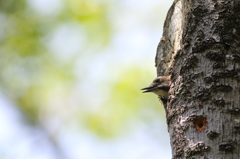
(159, 86)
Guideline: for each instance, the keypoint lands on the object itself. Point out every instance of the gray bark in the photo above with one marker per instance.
(200, 49)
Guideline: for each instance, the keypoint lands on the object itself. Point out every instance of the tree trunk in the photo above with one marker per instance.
(200, 49)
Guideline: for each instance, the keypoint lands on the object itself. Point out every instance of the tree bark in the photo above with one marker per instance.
(200, 49)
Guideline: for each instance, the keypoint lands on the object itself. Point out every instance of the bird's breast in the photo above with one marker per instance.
(162, 93)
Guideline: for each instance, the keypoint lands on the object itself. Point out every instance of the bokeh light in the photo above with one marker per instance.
(71, 74)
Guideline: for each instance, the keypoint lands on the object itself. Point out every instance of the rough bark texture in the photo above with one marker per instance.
(200, 49)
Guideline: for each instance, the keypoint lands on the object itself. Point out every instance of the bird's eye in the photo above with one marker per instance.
(156, 80)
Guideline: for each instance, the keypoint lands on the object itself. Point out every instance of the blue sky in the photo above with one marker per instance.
(138, 28)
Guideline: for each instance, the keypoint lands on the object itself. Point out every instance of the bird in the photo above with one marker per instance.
(160, 86)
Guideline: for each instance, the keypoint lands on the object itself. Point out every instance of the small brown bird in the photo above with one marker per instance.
(160, 86)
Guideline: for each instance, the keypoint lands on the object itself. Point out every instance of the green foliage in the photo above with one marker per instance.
(43, 86)
(30, 73)
(124, 102)
(92, 15)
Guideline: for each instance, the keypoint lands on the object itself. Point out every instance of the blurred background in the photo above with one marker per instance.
(71, 74)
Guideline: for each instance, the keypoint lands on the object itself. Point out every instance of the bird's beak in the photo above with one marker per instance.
(148, 89)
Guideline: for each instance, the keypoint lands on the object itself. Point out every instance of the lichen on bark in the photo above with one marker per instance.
(200, 50)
